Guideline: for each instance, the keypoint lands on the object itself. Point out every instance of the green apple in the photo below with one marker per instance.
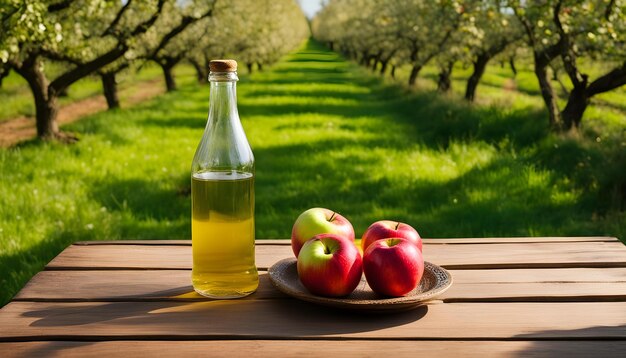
(317, 221)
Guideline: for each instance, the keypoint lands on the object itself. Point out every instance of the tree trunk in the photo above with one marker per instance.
(383, 66)
(170, 82)
(331, 46)
(415, 70)
(47, 110)
(445, 84)
(3, 73)
(249, 67)
(375, 65)
(109, 85)
(364, 58)
(201, 75)
(547, 93)
(512, 64)
(46, 107)
(393, 72)
(376, 60)
(472, 83)
(259, 66)
(580, 95)
(577, 103)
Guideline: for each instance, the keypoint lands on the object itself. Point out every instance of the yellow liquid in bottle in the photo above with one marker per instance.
(222, 234)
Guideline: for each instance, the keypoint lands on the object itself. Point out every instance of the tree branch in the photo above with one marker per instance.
(60, 57)
(60, 5)
(115, 69)
(110, 30)
(73, 75)
(144, 26)
(567, 54)
(443, 41)
(608, 82)
(557, 19)
(609, 9)
(186, 21)
(527, 27)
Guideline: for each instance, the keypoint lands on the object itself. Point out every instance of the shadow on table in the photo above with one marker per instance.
(277, 318)
(597, 341)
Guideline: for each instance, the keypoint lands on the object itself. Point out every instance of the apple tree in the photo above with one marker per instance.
(574, 32)
(86, 34)
(165, 43)
(498, 30)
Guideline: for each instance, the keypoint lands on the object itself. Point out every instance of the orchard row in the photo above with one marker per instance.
(552, 33)
(95, 37)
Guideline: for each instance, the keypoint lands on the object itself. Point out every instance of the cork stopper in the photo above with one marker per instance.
(223, 66)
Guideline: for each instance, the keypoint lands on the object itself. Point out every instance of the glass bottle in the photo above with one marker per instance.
(222, 196)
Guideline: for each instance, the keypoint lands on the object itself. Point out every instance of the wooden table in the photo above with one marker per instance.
(515, 296)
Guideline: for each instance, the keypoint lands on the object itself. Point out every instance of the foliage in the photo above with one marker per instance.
(25, 22)
(251, 31)
(411, 31)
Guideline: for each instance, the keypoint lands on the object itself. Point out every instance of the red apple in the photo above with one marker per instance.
(318, 221)
(330, 265)
(386, 229)
(393, 267)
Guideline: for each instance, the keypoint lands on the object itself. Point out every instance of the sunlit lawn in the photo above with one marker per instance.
(324, 133)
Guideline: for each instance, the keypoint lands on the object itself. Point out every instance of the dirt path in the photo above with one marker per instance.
(19, 129)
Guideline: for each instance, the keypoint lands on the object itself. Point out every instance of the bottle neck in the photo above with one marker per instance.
(223, 96)
(224, 146)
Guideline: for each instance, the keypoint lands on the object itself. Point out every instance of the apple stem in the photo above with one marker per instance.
(397, 224)
(332, 216)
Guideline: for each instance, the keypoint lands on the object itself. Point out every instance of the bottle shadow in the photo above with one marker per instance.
(276, 318)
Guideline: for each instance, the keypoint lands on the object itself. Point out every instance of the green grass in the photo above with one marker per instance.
(325, 133)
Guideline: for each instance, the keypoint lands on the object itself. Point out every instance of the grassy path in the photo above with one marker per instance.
(324, 133)
(13, 131)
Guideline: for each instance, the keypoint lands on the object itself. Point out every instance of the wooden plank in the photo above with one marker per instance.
(291, 319)
(551, 275)
(577, 284)
(286, 241)
(470, 256)
(135, 242)
(170, 242)
(148, 257)
(518, 285)
(320, 348)
(527, 255)
(508, 240)
(123, 285)
(536, 292)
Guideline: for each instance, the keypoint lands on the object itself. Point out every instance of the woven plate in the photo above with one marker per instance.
(436, 280)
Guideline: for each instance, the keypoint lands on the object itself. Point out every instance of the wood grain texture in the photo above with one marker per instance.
(582, 284)
(467, 256)
(505, 240)
(123, 285)
(286, 241)
(322, 348)
(291, 319)
(148, 257)
(188, 242)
